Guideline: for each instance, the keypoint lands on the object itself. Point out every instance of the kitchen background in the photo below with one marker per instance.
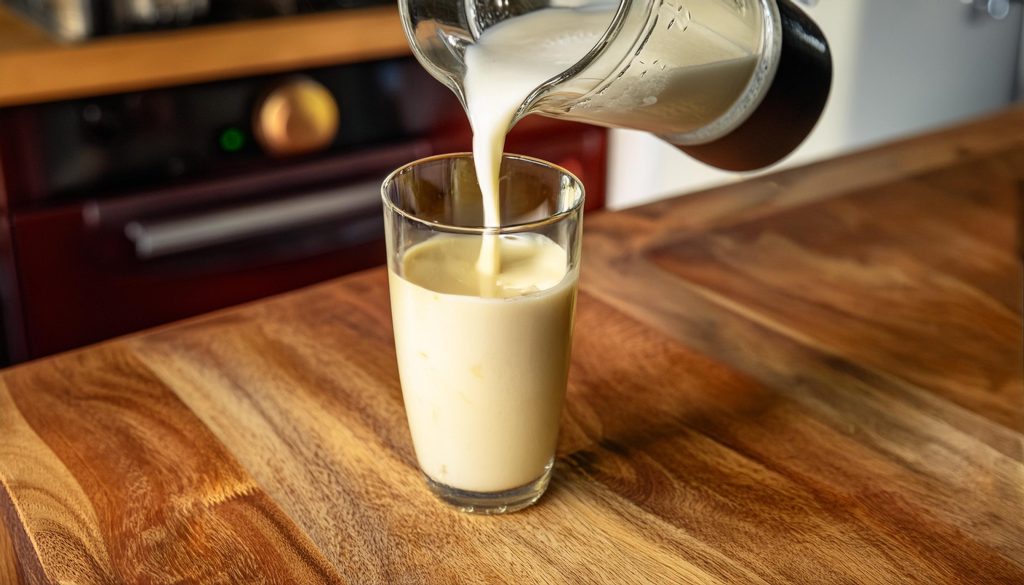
(153, 170)
(900, 67)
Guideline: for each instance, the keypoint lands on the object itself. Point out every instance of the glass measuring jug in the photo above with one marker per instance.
(735, 83)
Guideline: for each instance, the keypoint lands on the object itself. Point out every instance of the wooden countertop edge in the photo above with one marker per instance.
(42, 70)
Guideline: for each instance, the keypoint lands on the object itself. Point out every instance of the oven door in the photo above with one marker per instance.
(94, 270)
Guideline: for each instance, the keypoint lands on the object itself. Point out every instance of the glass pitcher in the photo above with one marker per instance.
(650, 71)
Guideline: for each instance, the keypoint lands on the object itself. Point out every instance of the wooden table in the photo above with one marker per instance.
(811, 377)
(34, 68)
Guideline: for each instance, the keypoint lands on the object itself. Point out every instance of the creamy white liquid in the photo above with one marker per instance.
(506, 64)
(483, 325)
(483, 378)
(683, 80)
(688, 74)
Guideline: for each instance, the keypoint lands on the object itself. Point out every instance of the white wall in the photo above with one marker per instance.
(900, 67)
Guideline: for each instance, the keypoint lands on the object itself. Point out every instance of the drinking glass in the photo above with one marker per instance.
(483, 359)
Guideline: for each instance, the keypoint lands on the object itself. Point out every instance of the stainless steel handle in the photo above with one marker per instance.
(158, 238)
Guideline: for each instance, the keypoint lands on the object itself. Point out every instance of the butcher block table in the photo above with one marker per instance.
(809, 377)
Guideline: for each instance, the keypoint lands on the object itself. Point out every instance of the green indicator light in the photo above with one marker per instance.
(232, 140)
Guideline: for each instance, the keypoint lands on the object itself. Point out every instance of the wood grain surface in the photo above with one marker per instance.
(8, 558)
(34, 68)
(811, 377)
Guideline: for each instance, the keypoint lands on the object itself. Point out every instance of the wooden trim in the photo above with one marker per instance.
(34, 68)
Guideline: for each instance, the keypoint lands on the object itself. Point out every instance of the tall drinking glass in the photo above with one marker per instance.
(483, 357)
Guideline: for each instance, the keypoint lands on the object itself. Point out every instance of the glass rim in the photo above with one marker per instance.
(576, 207)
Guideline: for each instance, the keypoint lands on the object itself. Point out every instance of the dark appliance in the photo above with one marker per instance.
(126, 211)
